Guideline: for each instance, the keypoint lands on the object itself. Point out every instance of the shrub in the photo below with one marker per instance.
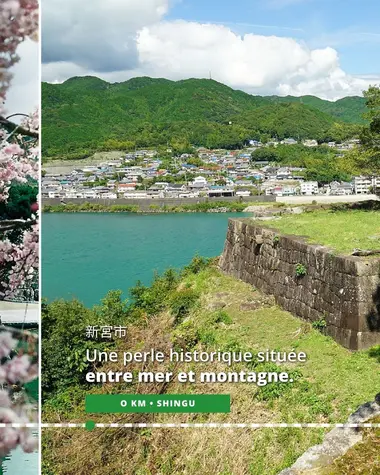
(181, 303)
(273, 391)
(64, 342)
(197, 265)
(223, 317)
(186, 335)
(154, 298)
(207, 337)
(319, 324)
(300, 270)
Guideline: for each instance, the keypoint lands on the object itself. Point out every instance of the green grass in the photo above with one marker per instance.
(362, 459)
(229, 206)
(337, 375)
(343, 231)
(227, 315)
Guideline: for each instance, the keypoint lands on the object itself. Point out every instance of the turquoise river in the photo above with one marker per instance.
(87, 254)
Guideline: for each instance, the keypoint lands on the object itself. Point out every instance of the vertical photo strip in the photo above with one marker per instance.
(19, 236)
(210, 237)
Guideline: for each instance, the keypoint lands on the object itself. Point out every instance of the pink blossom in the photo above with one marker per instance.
(18, 369)
(18, 262)
(7, 342)
(5, 400)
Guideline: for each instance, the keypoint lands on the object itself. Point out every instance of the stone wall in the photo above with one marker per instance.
(345, 291)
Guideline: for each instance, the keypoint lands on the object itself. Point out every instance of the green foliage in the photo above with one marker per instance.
(300, 270)
(319, 324)
(265, 154)
(186, 335)
(348, 109)
(320, 162)
(18, 206)
(231, 206)
(182, 302)
(223, 317)
(90, 207)
(272, 391)
(86, 114)
(154, 298)
(370, 137)
(21, 197)
(197, 265)
(112, 309)
(375, 352)
(64, 341)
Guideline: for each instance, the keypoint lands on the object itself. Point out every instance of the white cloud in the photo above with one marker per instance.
(23, 95)
(122, 39)
(255, 63)
(96, 34)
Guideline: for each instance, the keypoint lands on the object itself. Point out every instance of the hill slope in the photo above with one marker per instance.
(85, 114)
(348, 109)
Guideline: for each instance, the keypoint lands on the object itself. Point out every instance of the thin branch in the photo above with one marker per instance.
(16, 127)
(18, 331)
(8, 224)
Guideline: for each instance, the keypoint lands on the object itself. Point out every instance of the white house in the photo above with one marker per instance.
(199, 182)
(309, 188)
(365, 185)
(243, 193)
(310, 143)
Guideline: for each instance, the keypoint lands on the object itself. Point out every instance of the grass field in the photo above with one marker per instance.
(228, 315)
(362, 459)
(343, 231)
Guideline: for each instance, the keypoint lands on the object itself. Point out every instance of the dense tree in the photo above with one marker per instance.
(86, 114)
(265, 154)
(370, 136)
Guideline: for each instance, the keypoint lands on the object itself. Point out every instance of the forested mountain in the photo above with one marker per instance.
(87, 114)
(348, 109)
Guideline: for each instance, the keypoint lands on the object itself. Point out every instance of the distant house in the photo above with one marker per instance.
(309, 188)
(243, 193)
(289, 141)
(341, 189)
(108, 195)
(91, 194)
(199, 182)
(136, 194)
(175, 187)
(310, 143)
(122, 187)
(364, 185)
(219, 191)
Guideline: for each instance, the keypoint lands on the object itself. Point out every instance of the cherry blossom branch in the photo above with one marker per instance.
(18, 260)
(10, 224)
(18, 128)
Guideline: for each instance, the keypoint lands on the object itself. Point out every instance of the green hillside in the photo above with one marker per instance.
(348, 109)
(87, 114)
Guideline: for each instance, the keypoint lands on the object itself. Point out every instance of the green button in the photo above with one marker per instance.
(126, 403)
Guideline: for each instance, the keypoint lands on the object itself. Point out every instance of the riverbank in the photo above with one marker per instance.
(147, 206)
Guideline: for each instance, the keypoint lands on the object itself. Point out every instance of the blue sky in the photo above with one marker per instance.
(352, 27)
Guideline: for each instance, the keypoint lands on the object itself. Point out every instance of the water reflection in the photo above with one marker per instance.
(20, 463)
